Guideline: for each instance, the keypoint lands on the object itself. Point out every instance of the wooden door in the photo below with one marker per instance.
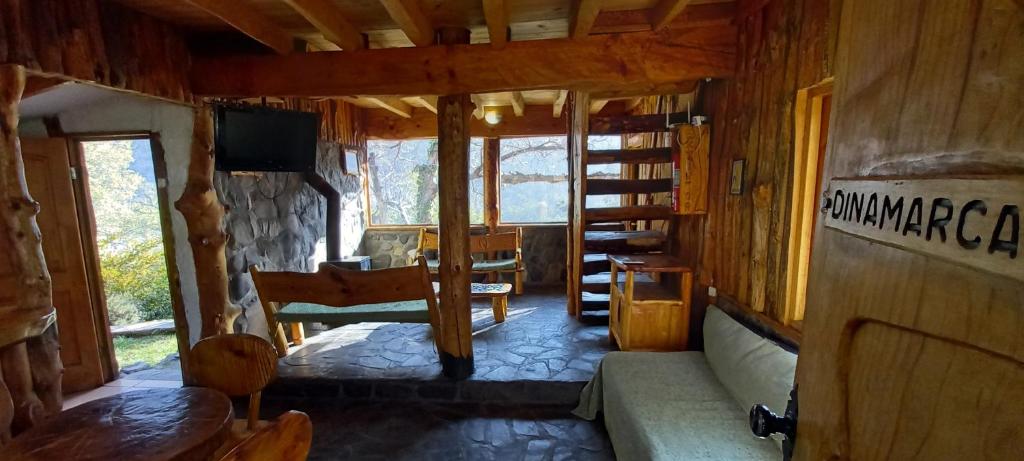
(47, 172)
(913, 344)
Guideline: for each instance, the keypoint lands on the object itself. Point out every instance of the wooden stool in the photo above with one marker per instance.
(496, 292)
(648, 316)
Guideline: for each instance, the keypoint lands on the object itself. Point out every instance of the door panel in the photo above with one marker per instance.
(913, 344)
(47, 171)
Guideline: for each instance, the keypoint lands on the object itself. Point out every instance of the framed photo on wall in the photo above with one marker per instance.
(350, 161)
(736, 177)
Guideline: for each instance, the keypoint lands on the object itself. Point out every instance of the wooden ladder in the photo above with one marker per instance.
(602, 231)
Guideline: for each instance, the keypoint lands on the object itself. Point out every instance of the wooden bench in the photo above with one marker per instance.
(338, 296)
(487, 244)
(496, 292)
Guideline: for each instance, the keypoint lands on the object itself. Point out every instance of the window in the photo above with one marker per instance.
(403, 182)
(534, 180)
(609, 171)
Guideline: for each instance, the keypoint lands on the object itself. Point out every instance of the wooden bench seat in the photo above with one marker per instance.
(482, 247)
(415, 311)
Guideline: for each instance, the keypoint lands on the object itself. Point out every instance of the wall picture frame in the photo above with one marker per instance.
(350, 161)
(736, 177)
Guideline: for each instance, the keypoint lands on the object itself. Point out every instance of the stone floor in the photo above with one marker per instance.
(539, 354)
(396, 431)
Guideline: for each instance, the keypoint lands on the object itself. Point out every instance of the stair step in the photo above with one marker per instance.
(606, 226)
(601, 282)
(629, 156)
(622, 124)
(596, 262)
(623, 241)
(628, 186)
(628, 213)
(595, 301)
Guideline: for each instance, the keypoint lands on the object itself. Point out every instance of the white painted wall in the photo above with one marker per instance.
(174, 124)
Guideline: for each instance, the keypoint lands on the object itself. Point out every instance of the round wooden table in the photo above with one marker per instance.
(149, 424)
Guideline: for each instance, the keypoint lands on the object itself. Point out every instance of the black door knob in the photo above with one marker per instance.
(764, 422)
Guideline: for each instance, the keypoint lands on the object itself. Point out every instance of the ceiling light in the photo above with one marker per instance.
(492, 115)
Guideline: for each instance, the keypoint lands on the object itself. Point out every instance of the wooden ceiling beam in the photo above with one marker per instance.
(496, 15)
(478, 104)
(427, 102)
(597, 104)
(536, 121)
(411, 20)
(627, 64)
(518, 103)
(582, 17)
(331, 22)
(560, 103)
(395, 105)
(665, 11)
(703, 15)
(248, 21)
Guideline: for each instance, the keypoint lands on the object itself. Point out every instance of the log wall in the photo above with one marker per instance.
(784, 45)
(95, 41)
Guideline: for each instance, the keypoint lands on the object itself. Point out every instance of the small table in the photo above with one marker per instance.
(648, 316)
(152, 424)
(497, 292)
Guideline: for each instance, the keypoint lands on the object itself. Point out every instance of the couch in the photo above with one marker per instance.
(692, 405)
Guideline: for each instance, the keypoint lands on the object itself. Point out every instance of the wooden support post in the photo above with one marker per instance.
(492, 181)
(204, 216)
(453, 114)
(31, 370)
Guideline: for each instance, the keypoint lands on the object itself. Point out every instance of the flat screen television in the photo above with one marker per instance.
(264, 139)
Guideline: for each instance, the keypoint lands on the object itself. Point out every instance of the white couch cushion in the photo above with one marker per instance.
(753, 369)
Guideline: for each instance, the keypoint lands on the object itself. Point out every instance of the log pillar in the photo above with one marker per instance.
(492, 180)
(453, 113)
(204, 218)
(30, 366)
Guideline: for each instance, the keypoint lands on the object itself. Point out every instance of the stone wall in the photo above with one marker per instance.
(543, 251)
(278, 222)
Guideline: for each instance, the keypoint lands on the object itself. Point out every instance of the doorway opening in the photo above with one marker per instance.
(119, 184)
(813, 108)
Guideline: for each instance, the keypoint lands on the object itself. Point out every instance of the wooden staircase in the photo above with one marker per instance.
(597, 232)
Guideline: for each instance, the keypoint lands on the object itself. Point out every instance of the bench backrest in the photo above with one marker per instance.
(753, 369)
(332, 286)
(482, 243)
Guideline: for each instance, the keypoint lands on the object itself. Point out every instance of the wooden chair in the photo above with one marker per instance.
(339, 296)
(488, 244)
(285, 439)
(236, 364)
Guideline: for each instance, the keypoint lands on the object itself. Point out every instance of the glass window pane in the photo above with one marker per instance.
(403, 181)
(610, 171)
(534, 180)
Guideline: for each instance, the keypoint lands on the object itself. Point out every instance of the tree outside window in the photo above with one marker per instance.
(403, 181)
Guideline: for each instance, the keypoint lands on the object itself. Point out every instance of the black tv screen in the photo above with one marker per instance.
(263, 139)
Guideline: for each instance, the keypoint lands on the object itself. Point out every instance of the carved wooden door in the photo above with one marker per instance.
(913, 343)
(47, 172)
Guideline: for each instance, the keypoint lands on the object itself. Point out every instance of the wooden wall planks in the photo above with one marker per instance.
(782, 47)
(96, 41)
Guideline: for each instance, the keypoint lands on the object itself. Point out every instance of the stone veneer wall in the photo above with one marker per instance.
(275, 221)
(543, 251)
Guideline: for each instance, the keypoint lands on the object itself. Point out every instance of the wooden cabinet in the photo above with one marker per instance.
(646, 316)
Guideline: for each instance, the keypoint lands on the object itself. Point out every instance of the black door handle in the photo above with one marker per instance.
(764, 422)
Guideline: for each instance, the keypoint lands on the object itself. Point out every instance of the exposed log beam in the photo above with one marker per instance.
(331, 22)
(411, 20)
(536, 121)
(582, 17)
(478, 104)
(392, 104)
(427, 102)
(597, 104)
(560, 103)
(703, 15)
(249, 22)
(496, 15)
(634, 63)
(518, 103)
(665, 11)
(668, 88)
